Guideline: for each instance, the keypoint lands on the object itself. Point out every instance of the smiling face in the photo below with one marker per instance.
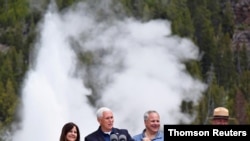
(72, 134)
(152, 123)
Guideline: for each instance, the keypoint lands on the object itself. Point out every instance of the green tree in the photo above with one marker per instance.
(178, 13)
(8, 103)
(225, 69)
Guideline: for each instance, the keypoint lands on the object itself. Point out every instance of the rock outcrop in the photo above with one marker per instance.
(241, 9)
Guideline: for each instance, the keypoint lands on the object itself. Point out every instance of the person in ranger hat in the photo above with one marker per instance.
(220, 116)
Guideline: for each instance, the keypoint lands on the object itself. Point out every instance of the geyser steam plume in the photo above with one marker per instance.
(134, 67)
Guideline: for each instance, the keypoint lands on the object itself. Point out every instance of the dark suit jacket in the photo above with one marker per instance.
(98, 135)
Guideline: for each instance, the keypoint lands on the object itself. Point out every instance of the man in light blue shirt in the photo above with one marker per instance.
(152, 128)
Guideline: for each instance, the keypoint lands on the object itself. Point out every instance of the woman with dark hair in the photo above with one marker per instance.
(70, 132)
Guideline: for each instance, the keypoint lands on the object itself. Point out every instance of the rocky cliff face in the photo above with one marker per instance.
(241, 9)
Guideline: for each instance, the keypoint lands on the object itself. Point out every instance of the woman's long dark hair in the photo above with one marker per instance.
(66, 128)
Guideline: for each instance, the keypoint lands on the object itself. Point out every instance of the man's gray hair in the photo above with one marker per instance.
(146, 114)
(100, 111)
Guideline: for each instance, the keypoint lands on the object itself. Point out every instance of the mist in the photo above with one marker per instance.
(136, 66)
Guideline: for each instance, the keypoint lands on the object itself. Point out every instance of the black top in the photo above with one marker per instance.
(99, 135)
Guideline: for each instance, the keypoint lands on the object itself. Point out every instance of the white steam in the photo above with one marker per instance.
(139, 66)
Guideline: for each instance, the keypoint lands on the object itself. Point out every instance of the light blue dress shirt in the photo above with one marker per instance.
(159, 136)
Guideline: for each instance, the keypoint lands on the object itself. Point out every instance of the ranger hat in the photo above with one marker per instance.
(221, 112)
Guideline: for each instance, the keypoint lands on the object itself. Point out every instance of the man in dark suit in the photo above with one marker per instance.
(106, 131)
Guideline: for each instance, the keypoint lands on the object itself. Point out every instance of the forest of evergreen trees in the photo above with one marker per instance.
(208, 23)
